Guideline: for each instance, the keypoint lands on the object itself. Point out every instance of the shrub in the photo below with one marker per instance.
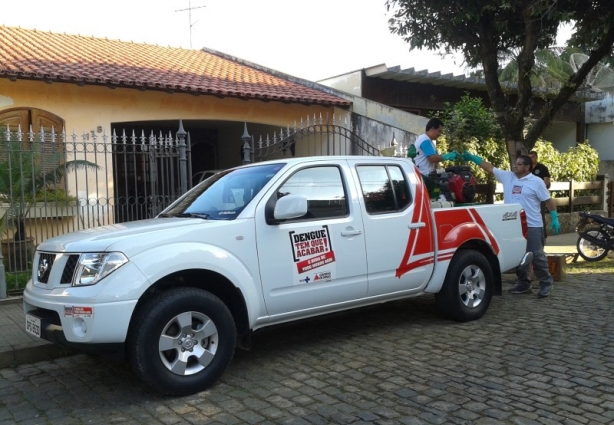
(579, 163)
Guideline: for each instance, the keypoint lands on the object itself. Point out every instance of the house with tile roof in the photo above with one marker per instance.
(106, 98)
(98, 86)
(92, 84)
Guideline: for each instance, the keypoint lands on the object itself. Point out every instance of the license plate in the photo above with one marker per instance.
(33, 325)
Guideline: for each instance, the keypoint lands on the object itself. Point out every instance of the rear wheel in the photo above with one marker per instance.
(468, 287)
(588, 250)
(181, 341)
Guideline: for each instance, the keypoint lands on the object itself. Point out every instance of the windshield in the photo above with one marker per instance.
(224, 195)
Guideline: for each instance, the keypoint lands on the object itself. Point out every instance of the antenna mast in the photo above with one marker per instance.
(189, 9)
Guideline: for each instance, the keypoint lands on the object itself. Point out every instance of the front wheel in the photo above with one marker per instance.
(181, 341)
(468, 287)
(588, 250)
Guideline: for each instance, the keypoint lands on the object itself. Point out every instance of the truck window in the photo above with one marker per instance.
(384, 188)
(225, 194)
(323, 187)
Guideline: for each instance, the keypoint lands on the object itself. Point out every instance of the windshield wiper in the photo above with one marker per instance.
(204, 216)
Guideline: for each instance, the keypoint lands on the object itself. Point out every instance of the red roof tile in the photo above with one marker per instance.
(38, 55)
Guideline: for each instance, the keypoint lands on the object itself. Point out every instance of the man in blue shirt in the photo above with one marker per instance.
(427, 156)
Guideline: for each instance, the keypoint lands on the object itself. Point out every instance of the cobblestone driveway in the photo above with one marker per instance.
(528, 361)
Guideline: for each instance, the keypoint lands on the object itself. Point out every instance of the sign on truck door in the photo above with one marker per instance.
(320, 256)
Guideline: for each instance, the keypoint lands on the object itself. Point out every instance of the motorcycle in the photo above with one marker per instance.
(596, 236)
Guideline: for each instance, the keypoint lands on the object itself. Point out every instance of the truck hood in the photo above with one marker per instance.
(124, 236)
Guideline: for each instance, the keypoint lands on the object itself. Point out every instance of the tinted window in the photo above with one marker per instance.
(384, 188)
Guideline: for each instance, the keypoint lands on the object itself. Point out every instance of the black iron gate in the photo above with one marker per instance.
(312, 137)
(54, 183)
(150, 172)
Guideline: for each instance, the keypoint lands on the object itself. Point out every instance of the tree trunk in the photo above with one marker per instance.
(515, 148)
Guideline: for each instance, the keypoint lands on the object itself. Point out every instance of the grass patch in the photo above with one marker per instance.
(604, 266)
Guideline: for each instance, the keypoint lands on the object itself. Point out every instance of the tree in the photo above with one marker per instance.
(485, 31)
(552, 68)
(470, 126)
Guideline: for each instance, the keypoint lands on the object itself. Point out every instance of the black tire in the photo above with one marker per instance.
(588, 250)
(468, 287)
(181, 341)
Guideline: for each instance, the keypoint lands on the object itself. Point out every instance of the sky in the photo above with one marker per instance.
(313, 39)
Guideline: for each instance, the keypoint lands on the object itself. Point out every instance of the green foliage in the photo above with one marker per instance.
(552, 67)
(55, 196)
(487, 31)
(468, 120)
(470, 126)
(579, 163)
(16, 282)
(460, 25)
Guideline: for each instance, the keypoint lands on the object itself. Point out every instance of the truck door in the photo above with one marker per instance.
(319, 259)
(398, 229)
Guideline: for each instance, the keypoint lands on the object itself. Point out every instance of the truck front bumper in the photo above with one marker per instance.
(96, 314)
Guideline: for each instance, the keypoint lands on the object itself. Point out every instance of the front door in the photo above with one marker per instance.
(318, 259)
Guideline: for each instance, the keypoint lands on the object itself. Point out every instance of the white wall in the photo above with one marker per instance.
(350, 83)
(562, 135)
(601, 137)
(599, 117)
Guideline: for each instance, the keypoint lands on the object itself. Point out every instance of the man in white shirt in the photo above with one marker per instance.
(522, 187)
(427, 156)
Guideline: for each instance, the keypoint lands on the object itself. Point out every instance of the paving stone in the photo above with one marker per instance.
(524, 362)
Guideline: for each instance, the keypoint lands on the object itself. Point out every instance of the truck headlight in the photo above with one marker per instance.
(94, 267)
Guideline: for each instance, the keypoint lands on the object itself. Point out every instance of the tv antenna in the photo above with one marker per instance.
(189, 9)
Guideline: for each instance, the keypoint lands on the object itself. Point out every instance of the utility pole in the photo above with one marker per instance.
(189, 9)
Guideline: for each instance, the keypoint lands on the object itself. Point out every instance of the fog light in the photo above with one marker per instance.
(79, 327)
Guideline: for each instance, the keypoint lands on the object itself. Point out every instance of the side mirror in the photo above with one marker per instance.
(290, 206)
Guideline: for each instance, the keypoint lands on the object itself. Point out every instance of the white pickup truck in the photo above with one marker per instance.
(260, 245)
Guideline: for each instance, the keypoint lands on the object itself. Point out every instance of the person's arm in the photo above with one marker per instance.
(545, 175)
(431, 153)
(434, 158)
(550, 205)
(484, 165)
(555, 226)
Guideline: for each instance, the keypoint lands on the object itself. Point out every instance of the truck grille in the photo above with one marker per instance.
(69, 269)
(47, 261)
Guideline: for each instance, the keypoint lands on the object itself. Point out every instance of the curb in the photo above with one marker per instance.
(16, 349)
(11, 300)
(31, 353)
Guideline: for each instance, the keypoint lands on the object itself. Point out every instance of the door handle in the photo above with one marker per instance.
(351, 232)
(416, 225)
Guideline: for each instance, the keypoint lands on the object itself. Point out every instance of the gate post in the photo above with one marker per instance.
(2, 279)
(246, 138)
(183, 171)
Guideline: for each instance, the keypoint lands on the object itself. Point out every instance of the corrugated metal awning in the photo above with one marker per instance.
(464, 82)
